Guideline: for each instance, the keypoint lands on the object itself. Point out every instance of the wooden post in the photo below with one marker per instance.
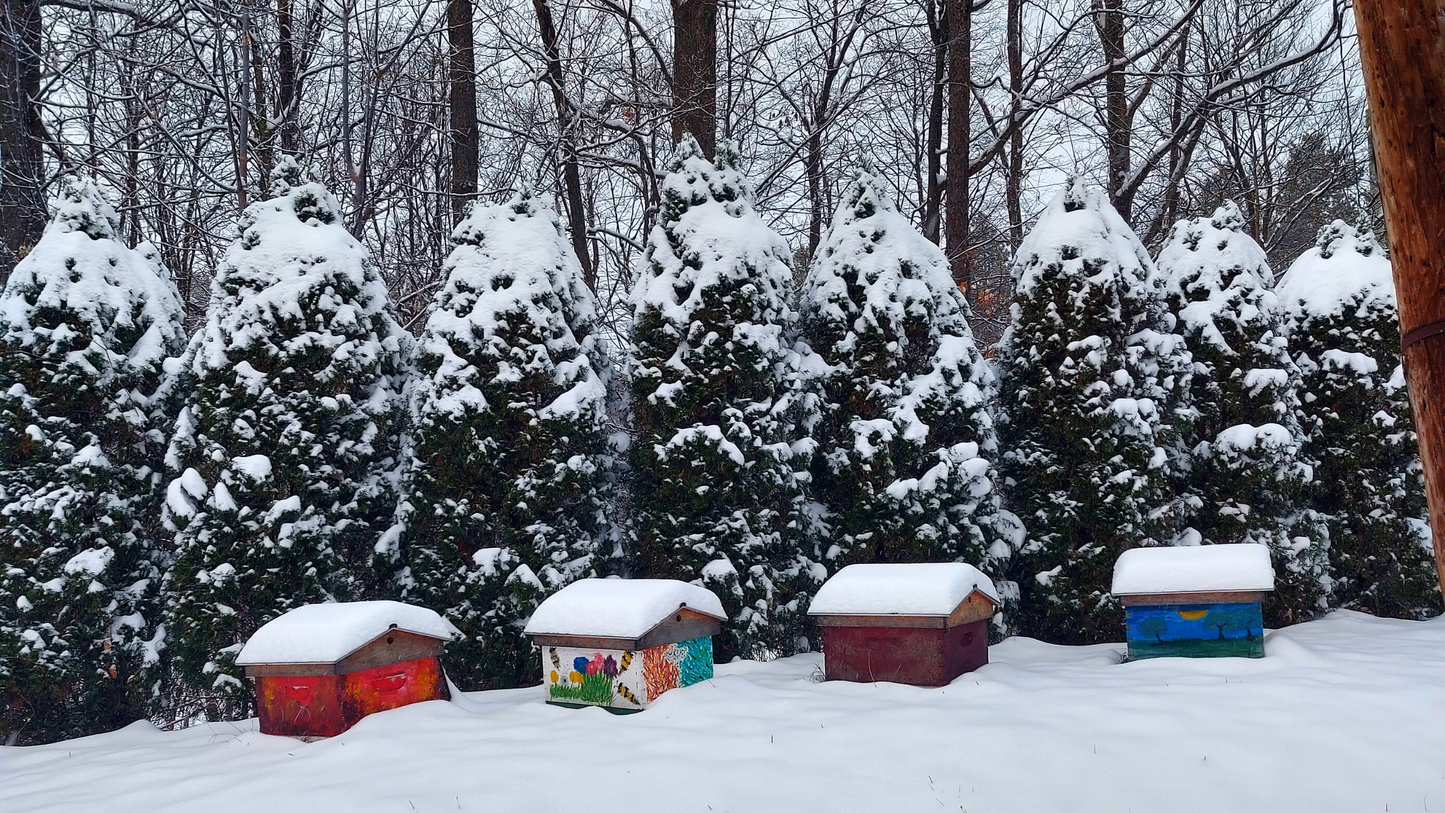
(1402, 48)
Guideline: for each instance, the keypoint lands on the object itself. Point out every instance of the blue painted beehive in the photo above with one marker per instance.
(1198, 601)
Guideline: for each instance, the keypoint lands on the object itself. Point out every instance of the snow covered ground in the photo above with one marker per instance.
(1345, 714)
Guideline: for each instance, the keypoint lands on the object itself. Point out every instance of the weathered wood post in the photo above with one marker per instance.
(1402, 48)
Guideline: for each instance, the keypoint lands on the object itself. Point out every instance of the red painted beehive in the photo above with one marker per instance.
(320, 668)
(923, 624)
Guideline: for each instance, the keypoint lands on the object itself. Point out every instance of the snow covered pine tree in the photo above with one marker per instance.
(714, 397)
(1093, 379)
(905, 438)
(85, 324)
(505, 491)
(283, 456)
(1246, 481)
(1360, 435)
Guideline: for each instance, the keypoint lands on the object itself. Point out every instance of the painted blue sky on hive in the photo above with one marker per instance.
(1175, 621)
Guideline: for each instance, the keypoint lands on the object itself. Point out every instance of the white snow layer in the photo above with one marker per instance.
(1193, 569)
(80, 266)
(619, 608)
(728, 241)
(1345, 715)
(512, 267)
(292, 256)
(1082, 219)
(901, 589)
(1346, 267)
(326, 633)
(1215, 266)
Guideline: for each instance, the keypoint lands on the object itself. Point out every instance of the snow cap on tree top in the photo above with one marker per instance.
(509, 257)
(1346, 268)
(1341, 236)
(286, 174)
(1202, 258)
(1075, 193)
(79, 207)
(310, 200)
(81, 269)
(475, 225)
(1082, 232)
(692, 180)
(862, 199)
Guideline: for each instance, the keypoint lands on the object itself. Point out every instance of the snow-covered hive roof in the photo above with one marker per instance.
(1193, 569)
(326, 633)
(619, 608)
(1345, 266)
(901, 589)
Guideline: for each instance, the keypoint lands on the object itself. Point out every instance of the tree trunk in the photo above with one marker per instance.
(933, 184)
(22, 203)
(1176, 120)
(1110, 24)
(1404, 66)
(694, 72)
(1014, 181)
(463, 132)
(567, 125)
(286, 83)
(956, 201)
(242, 136)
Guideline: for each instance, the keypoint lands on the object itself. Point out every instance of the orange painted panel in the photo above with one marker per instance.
(300, 706)
(388, 687)
(326, 705)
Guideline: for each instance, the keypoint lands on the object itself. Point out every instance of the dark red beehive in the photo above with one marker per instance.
(319, 669)
(922, 624)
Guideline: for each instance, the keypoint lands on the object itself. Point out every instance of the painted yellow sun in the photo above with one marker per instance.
(1192, 615)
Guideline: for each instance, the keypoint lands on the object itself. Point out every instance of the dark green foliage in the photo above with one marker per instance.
(84, 325)
(1093, 382)
(904, 440)
(715, 497)
(1359, 428)
(283, 454)
(1246, 482)
(505, 492)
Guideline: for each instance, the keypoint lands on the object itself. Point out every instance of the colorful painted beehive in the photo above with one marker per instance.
(320, 668)
(1198, 601)
(923, 624)
(622, 643)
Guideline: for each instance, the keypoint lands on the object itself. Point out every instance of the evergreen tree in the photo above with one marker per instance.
(85, 323)
(283, 456)
(1094, 380)
(1247, 483)
(505, 490)
(905, 437)
(714, 397)
(1360, 434)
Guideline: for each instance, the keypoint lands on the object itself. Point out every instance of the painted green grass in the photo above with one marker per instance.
(593, 689)
(1197, 648)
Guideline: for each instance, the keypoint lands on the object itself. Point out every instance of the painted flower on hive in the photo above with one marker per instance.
(609, 666)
